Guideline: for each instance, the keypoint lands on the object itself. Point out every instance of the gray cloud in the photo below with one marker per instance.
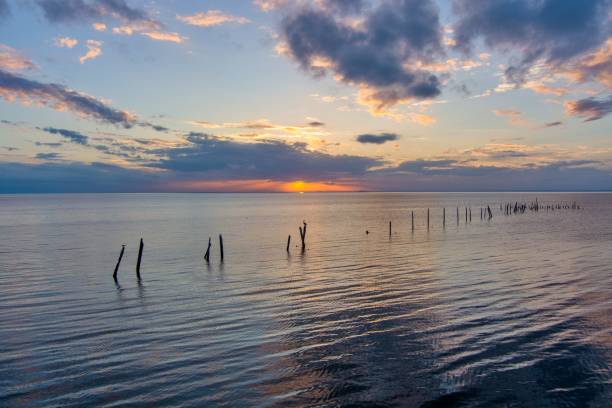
(60, 11)
(267, 159)
(553, 124)
(556, 31)
(59, 97)
(48, 156)
(377, 139)
(50, 144)
(590, 108)
(71, 135)
(395, 32)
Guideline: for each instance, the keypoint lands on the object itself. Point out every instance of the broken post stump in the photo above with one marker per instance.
(288, 242)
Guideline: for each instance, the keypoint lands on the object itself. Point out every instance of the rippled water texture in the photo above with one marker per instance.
(515, 311)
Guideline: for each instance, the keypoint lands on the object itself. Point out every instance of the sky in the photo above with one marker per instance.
(301, 96)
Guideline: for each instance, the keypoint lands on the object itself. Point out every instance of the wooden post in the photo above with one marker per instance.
(428, 218)
(413, 220)
(207, 254)
(470, 214)
(118, 262)
(221, 246)
(389, 228)
(139, 258)
(457, 215)
(466, 219)
(303, 235)
(444, 217)
(288, 242)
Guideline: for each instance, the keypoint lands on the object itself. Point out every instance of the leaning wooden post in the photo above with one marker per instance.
(139, 258)
(118, 262)
(413, 220)
(207, 254)
(288, 242)
(221, 246)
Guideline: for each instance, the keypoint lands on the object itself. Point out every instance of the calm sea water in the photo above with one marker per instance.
(516, 311)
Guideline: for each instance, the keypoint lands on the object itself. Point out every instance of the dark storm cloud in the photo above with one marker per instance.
(48, 156)
(61, 98)
(377, 139)
(395, 32)
(590, 108)
(59, 11)
(554, 30)
(345, 6)
(71, 135)
(266, 159)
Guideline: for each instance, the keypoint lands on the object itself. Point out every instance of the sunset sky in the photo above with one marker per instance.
(292, 95)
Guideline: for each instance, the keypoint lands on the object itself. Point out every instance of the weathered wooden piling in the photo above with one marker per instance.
(207, 254)
(303, 235)
(444, 217)
(288, 242)
(457, 215)
(413, 220)
(389, 228)
(119, 262)
(428, 219)
(139, 258)
(470, 214)
(466, 219)
(221, 246)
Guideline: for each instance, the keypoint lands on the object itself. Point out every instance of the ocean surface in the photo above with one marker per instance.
(515, 311)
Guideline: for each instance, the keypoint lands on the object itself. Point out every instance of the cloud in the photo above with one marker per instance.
(71, 135)
(377, 139)
(48, 156)
(4, 9)
(62, 11)
(66, 42)
(164, 36)
(553, 124)
(99, 26)
(269, 5)
(452, 175)
(514, 117)
(150, 30)
(263, 124)
(552, 31)
(212, 18)
(381, 55)
(227, 159)
(12, 60)
(94, 50)
(14, 87)
(590, 108)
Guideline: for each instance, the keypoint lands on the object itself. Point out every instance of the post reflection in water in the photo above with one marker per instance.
(511, 311)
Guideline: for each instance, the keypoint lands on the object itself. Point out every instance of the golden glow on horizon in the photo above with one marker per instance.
(263, 186)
